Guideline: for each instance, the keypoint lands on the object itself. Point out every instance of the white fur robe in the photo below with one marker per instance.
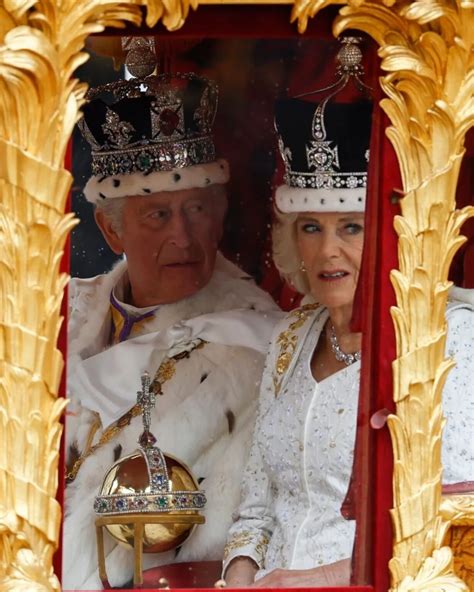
(205, 416)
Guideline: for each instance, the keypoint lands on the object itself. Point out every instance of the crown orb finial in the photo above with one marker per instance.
(141, 59)
(349, 56)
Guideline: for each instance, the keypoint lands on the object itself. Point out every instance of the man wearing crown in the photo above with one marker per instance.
(174, 307)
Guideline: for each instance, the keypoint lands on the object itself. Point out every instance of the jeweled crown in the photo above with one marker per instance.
(157, 123)
(325, 145)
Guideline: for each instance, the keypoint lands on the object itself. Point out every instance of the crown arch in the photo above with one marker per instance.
(426, 53)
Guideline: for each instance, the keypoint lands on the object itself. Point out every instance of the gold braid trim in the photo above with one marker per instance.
(165, 372)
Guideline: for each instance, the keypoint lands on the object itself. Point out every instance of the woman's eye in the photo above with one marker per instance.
(310, 228)
(353, 228)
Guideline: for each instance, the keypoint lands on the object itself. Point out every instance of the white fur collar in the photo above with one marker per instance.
(229, 288)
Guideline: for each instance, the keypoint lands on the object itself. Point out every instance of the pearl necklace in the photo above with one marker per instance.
(341, 356)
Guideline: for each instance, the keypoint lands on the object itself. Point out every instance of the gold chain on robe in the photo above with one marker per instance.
(164, 373)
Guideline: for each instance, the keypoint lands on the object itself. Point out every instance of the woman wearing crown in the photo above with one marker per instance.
(289, 530)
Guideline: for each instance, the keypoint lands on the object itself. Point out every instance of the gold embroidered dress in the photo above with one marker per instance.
(302, 452)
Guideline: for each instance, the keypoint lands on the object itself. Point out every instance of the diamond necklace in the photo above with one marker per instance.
(341, 356)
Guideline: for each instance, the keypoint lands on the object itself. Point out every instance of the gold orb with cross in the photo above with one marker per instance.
(148, 498)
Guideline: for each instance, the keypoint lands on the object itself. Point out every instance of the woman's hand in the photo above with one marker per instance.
(240, 572)
(333, 574)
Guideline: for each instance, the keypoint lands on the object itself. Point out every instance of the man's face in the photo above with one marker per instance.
(170, 240)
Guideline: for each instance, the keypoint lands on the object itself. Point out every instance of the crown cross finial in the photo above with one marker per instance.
(146, 400)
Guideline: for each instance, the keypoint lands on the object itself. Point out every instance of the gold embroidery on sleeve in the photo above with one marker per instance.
(244, 538)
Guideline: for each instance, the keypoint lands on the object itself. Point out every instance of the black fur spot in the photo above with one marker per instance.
(203, 377)
(176, 177)
(74, 453)
(102, 196)
(305, 200)
(322, 200)
(117, 452)
(359, 199)
(230, 420)
(116, 182)
(342, 200)
(200, 480)
(146, 190)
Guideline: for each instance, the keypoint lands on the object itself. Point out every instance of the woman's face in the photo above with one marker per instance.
(330, 247)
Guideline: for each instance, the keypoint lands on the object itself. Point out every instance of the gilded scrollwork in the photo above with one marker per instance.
(458, 510)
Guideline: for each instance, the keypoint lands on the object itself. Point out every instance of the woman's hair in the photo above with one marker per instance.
(113, 208)
(285, 251)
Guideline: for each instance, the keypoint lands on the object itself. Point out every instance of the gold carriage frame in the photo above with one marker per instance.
(428, 64)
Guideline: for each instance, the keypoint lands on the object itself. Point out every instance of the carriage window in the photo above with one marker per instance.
(163, 175)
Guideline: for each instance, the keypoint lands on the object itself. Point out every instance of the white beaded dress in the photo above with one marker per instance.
(301, 457)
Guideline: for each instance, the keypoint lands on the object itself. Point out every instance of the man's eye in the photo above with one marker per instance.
(195, 208)
(354, 228)
(159, 214)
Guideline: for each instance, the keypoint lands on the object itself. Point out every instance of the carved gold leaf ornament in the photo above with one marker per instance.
(459, 511)
(173, 13)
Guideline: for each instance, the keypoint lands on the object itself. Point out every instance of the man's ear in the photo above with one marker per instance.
(108, 231)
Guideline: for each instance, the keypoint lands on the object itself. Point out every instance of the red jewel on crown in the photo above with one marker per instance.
(169, 121)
